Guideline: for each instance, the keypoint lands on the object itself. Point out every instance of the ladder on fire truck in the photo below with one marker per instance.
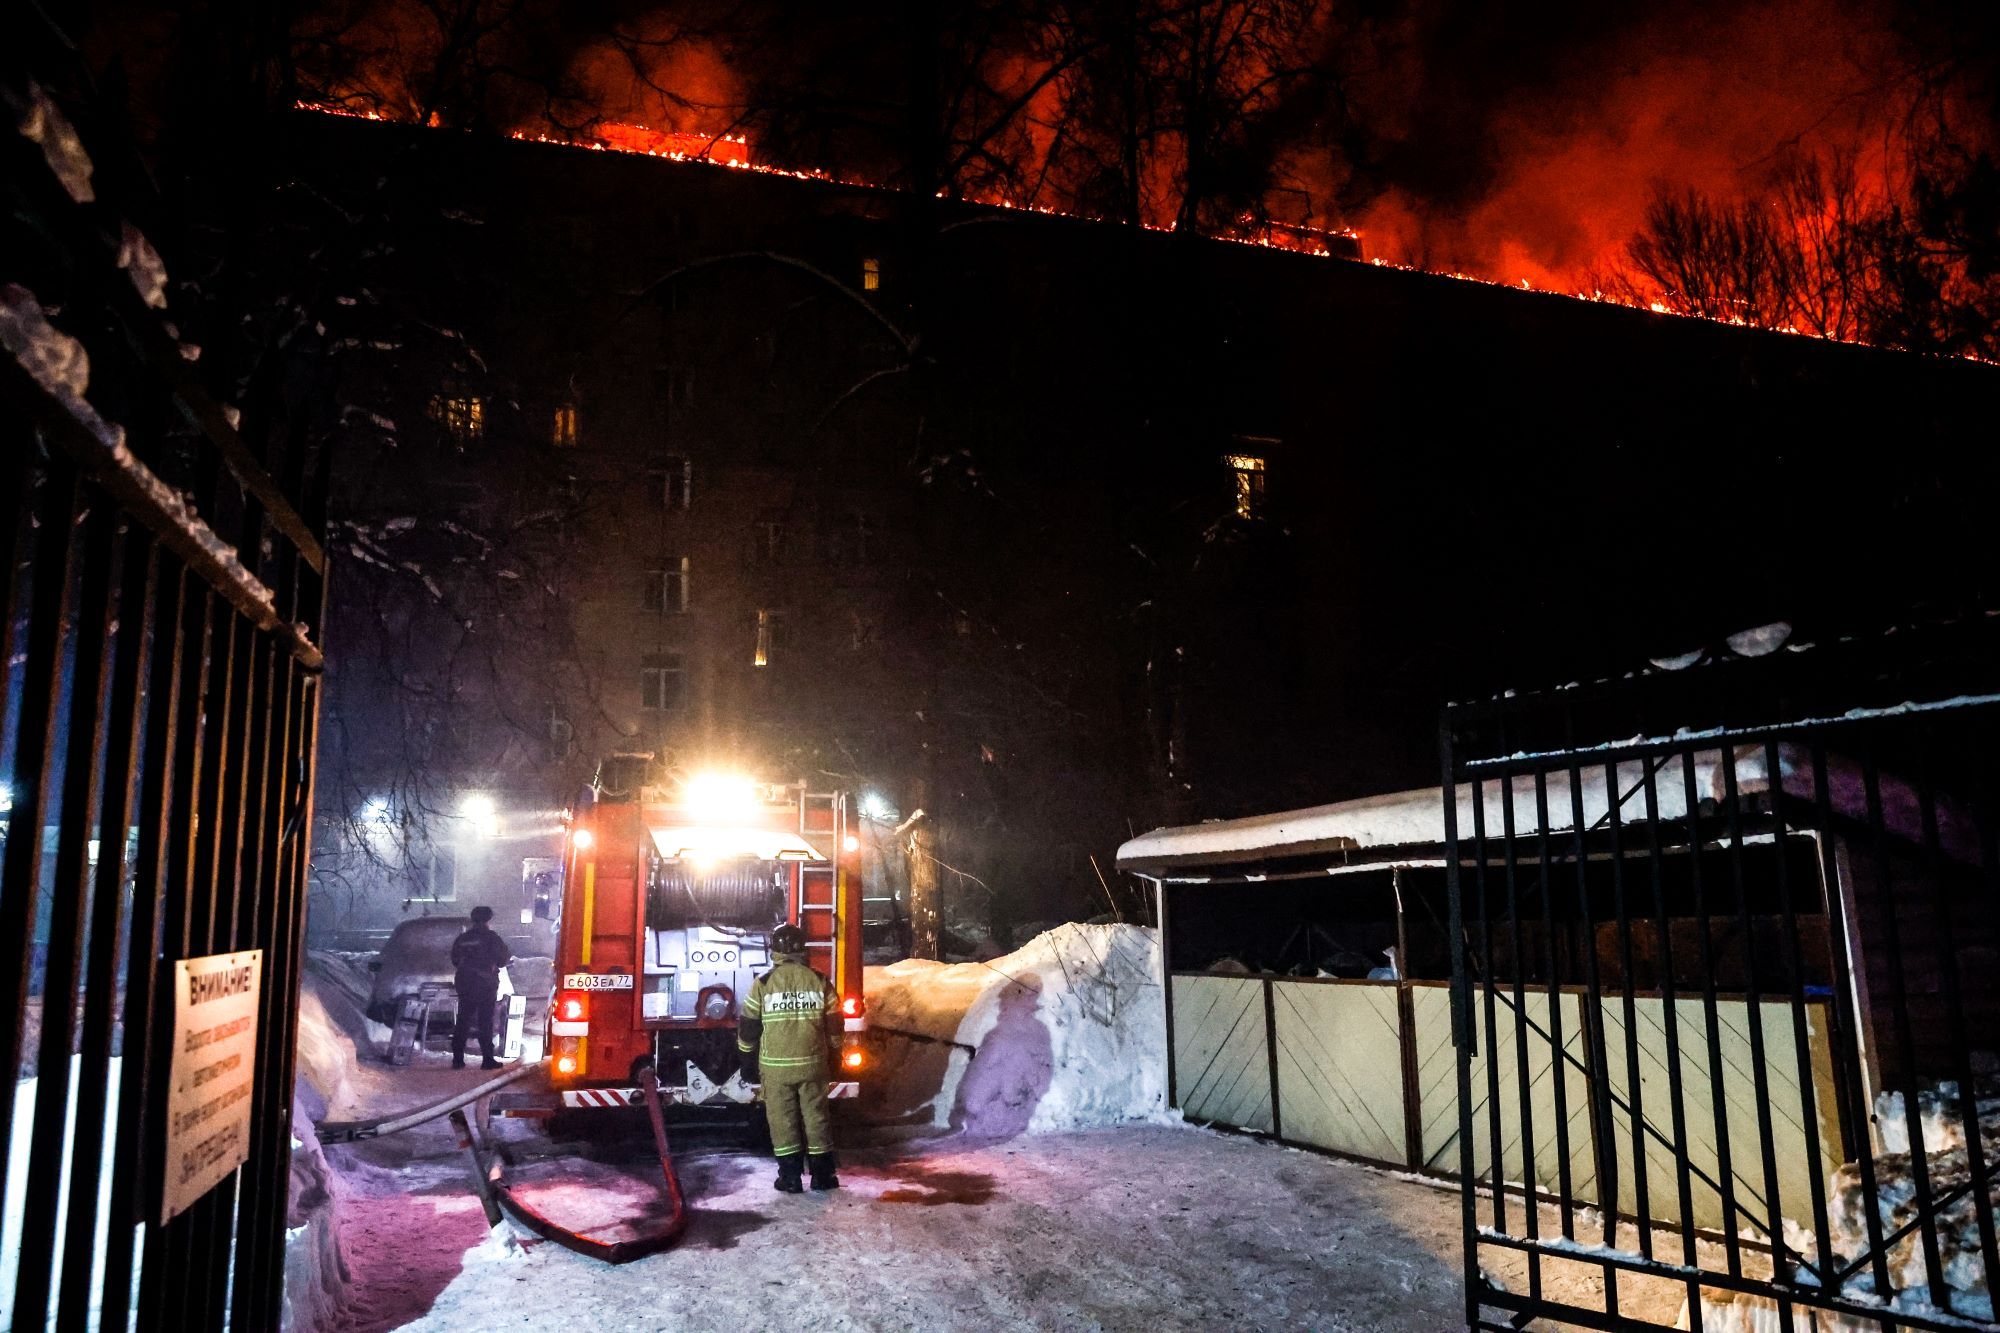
(823, 823)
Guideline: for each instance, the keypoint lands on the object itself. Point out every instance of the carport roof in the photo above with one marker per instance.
(1375, 828)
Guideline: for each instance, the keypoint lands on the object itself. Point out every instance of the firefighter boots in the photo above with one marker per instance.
(822, 1171)
(790, 1166)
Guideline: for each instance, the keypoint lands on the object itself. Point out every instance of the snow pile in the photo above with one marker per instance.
(1067, 1032)
(317, 1277)
(327, 1059)
(1940, 1115)
(344, 984)
(1957, 1223)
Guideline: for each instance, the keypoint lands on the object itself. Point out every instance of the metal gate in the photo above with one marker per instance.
(159, 682)
(1730, 952)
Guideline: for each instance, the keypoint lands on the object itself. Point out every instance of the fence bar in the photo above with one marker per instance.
(1531, 1210)
(1977, 1167)
(109, 907)
(134, 1166)
(1906, 1070)
(1634, 1088)
(89, 695)
(1760, 1073)
(34, 743)
(1670, 1022)
(1801, 1037)
(1559, 1081)
(1461, 1033)
(1490, 987)
(1725, 1171)
(1841, 928)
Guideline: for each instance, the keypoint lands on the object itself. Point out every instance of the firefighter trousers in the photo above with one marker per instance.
(795, 1108)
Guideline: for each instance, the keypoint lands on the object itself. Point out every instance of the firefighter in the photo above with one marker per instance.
(478, 955)
(790, 1024)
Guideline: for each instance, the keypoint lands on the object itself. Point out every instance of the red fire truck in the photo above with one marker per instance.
(671, 888)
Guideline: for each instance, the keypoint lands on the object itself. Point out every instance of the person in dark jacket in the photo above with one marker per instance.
(789, 1026)
(478, 955)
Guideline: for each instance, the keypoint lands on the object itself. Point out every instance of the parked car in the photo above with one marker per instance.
(418, 953)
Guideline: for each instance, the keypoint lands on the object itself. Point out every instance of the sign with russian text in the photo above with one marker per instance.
(214, 1070)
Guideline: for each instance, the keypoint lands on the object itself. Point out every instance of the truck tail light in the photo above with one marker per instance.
(851, 1007)
(572, 1006)
(572, 1057)
(852, 1058)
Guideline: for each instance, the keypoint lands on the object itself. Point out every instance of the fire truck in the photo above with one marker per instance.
(671, 888)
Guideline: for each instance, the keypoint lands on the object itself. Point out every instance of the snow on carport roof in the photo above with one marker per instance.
(1414, 820)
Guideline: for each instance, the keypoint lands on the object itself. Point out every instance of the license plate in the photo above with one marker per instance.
(597, 981)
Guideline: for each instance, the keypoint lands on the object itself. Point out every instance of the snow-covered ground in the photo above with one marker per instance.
(1013, 1165)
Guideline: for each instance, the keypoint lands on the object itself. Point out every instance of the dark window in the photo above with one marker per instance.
(662, 682)
(440, 875)
(671, 485)
(680, 386)
(667, 588)
(856, 539)
(770, 540)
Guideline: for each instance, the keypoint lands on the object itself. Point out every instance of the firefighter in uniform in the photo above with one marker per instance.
(477, 955)
(790, 1024)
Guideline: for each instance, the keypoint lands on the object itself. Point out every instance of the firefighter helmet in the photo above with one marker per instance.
(788, 939)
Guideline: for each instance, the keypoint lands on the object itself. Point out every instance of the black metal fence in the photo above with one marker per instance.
(159, 675)
(1727, 1009)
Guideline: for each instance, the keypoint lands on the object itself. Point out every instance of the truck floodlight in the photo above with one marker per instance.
(720, 798)
(583, 838)
(874, 805)
(850, 843)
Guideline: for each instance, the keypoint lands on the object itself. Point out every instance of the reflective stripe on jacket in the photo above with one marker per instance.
(790, 1018)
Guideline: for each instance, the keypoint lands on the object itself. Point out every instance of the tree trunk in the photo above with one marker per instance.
(926, 896)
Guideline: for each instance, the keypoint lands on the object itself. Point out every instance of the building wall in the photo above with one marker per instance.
(1064, 629)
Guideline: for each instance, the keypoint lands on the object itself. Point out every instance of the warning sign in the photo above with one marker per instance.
(214, 1072)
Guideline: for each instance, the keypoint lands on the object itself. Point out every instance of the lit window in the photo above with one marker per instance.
(871, 275)
(770, 637)
(463, 416)
(662, 682)
(667, 589)
(1248, 471)
(564, 435)
(671, 485)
